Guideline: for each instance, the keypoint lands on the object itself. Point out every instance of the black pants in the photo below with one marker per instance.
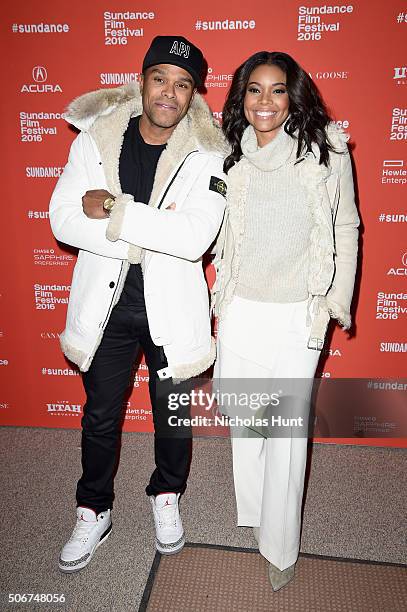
(105, 384)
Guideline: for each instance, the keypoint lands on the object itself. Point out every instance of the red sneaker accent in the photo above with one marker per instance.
(87, 508)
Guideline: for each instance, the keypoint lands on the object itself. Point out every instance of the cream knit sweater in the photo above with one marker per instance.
(278, 223)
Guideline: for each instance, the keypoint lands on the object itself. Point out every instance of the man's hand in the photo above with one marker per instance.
(92, 203)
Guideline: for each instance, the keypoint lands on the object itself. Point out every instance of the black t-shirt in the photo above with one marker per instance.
(137, 166)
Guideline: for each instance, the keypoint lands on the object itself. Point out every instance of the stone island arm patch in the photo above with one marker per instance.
(218, 185)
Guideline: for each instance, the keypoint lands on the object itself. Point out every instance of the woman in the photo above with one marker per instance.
(286, 263)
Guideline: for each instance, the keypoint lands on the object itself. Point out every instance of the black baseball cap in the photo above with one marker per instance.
(178, 51)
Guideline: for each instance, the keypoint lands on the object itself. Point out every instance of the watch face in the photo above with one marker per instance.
(108, 204)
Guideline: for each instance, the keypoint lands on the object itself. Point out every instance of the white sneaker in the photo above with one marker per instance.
(169, 532)
(89, 533)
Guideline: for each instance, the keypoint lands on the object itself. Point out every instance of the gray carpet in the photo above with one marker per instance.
(355, 507)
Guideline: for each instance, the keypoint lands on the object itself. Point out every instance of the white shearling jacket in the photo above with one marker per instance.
(334, 238)
(168, 243)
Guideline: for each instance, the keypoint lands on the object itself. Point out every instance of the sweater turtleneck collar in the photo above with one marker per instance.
(273, 155)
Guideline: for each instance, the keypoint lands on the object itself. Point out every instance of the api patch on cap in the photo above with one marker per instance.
(218, 185)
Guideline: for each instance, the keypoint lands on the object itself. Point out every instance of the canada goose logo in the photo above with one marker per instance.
(180, 48)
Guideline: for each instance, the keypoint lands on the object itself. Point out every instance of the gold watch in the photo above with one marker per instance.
(108, 204)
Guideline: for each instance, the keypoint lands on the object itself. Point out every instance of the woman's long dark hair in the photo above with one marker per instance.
(308, 116)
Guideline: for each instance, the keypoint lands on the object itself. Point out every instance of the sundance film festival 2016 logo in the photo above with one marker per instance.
(40, 85)
(398, 130)
(391, 306)
(400, 75)
(47, 297)
(32, 128)
(117, 28)
(314, 22)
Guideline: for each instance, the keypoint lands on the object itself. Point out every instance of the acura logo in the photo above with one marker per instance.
(404, 259)
(39, 74)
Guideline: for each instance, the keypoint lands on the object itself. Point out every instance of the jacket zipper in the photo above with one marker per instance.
(174, 177)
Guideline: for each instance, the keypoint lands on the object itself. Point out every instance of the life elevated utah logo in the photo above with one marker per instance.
(39, 84)
(400, 75)
(64, 408)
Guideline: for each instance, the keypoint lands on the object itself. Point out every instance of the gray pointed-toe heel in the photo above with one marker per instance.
(279, 578)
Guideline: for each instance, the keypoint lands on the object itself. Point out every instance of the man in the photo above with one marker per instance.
(138, 282)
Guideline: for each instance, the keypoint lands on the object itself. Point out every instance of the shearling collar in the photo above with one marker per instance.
(105, 106)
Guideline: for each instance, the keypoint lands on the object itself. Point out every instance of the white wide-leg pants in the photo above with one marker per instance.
(268, 340)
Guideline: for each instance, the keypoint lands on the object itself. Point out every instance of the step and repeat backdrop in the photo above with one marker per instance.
(54, 51)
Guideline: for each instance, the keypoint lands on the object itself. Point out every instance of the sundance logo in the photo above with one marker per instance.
(393, 347)
(43, 171)
(118, 78)
(39, 28)
(40, 76)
